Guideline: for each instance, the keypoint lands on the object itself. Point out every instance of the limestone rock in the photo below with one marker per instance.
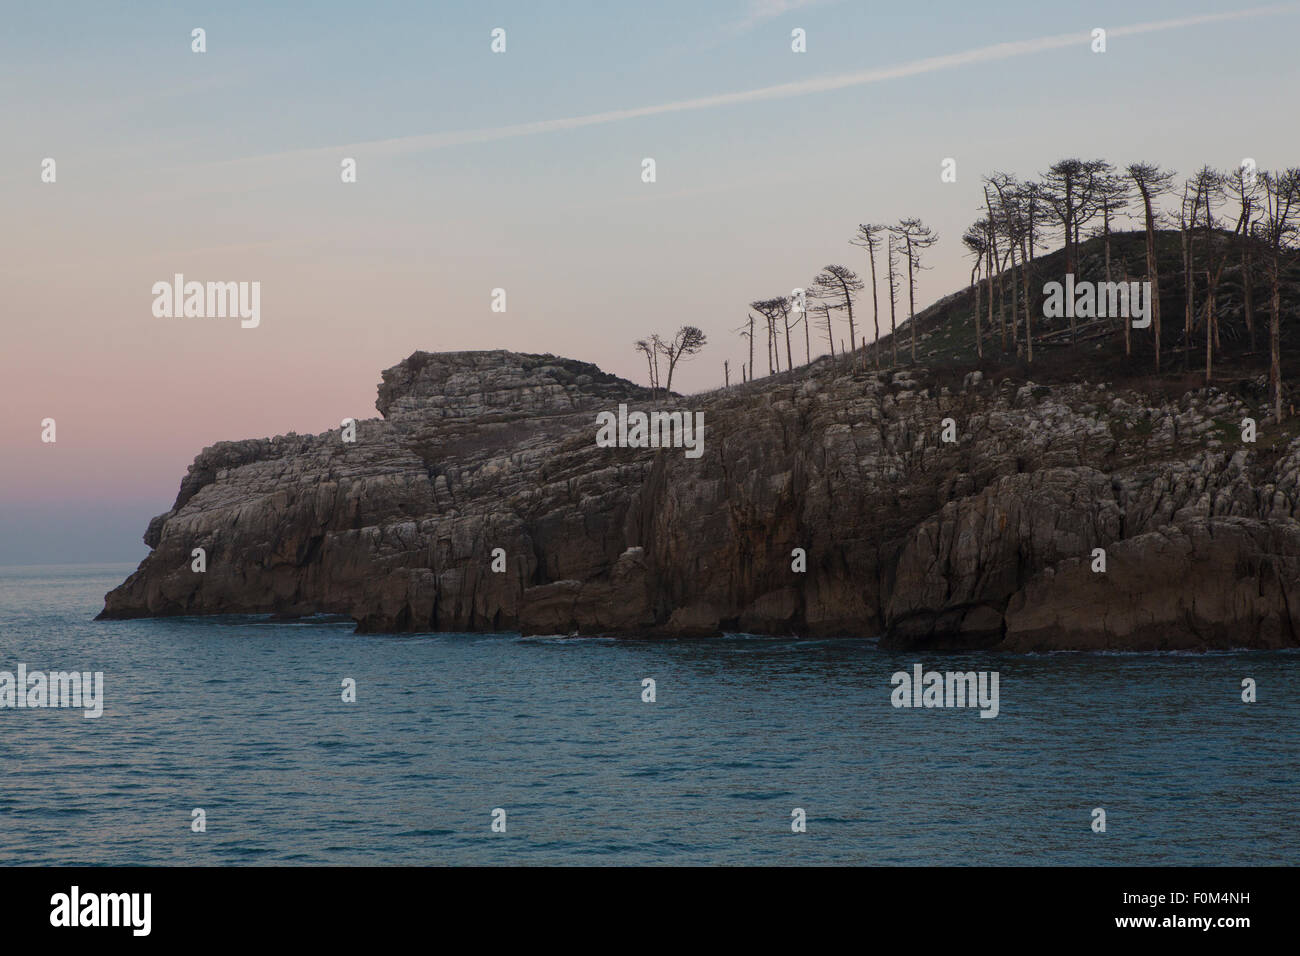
(981, 542)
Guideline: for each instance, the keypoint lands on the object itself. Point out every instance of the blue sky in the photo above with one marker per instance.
(226, 165)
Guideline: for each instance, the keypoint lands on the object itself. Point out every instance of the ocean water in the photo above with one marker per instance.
(243, 717)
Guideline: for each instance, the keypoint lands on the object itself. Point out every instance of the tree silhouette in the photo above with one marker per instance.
(1151, 182)
(837, 285)
(1278, 228)
(649, 347)
(688, 341)
(1245, 188)
(916, 238)
(976, 241)
(868, 236)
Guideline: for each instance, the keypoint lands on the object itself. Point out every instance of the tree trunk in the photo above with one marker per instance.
(751, 346)
(1128, 323)
(1015, 335)
(1248, 289)
(1209, 322)
(1105, 225)
(989, 259)
(848, 304)
(911, 297)
(993, 257)
(1106, 228)
(1275, 339)
(1029, 323)
(1002, 303)
(875, 304)
(893, 326)
(789, 360)
(1154, 274)
(1187, 295)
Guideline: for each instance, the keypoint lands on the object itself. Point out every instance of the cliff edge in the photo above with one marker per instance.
(988, 540)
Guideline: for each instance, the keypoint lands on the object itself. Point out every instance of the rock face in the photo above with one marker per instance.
(987, 540)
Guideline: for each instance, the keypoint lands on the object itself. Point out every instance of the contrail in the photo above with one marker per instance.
(934, 64)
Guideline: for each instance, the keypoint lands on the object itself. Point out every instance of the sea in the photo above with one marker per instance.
(228, 740)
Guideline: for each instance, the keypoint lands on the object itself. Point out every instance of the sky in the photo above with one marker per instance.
(519, 170)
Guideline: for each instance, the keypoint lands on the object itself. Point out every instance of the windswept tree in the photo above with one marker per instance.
(1279, 227)
(1151, 183)
(1188, 208)
(688, 341)
(1211, 185)
(785, 304)
(828, 328)
(893, 298)
(777, 313)
(1114, 193)
(915, 237)
(761, 306)
(747, 332)
(1013, 218)
(976, 241)
(994, 268)
(869, 237)
(1025, 215)
(649, 347)
(1244, 188)
(837, 285)
(1073, 189)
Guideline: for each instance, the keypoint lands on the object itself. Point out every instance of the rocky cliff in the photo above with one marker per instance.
(985, 540)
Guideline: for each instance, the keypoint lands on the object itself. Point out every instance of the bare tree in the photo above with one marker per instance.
(1211, 184)
(1026, 217)
(776, 311)
(976, 241)
(829, 332)
(916, 238)
(994, 272)
(748, 333)
(688, 341)
(1195, 191)
(650, 348)
(807, 337)
(1073, 189)
(1004, 221)
(893, 296)
(868, 236)
(1244, 187)
(766, 308)
(1279, 227)
(837, 285)
(784, 304)
(1013, 217)
(1151, 182)
(1114, 193)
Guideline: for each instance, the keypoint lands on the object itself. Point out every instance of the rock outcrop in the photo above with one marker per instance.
(486, 459)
